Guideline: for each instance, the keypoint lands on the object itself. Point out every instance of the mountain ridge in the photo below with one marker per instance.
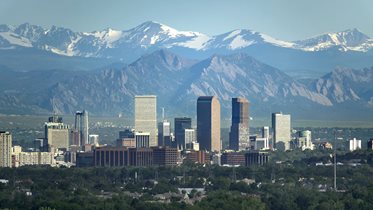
(178, 81)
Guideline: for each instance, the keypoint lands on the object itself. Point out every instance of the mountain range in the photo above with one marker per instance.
(178, 81)
(28, 47)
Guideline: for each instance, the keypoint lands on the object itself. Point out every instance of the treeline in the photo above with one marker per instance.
(296, 183)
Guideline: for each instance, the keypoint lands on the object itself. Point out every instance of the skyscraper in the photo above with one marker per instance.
(146, 116)
(281, 131)
(56, 134)
(181, 123)
(81, 125)
(239, 134)
(208, 123)
(164, 133)
(265, 132)
(5, 149)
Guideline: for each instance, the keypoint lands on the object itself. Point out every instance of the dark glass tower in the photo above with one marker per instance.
(181, 124)
(239, 134)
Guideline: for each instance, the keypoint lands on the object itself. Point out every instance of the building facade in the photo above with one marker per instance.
(239, 132)
(208, 123)
(354, 144)
(304, 140)
(142, 139)
(164, 133)
(56, 135)
(82, 126)
(233, 159)
(181, 123)
(253, 158)
(146, 116)
(5, 149)
(281, 127)
(165, 156)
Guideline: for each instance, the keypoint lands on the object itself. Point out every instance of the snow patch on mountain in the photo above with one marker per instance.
(15, 39)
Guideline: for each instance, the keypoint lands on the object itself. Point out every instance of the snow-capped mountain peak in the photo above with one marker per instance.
(351, 39)
(151, 35)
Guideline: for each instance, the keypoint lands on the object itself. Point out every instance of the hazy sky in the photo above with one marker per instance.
(283, 19)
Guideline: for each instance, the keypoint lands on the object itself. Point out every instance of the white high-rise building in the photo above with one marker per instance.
(190, 138)
(5, 149)
(355, 144)
(93, 139)
(146, 116)
(164, 133)
(281, 127)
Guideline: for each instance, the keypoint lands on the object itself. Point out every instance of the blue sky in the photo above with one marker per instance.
(283, 19)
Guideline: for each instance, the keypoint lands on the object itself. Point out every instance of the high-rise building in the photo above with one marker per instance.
(354, 144)
(164, 133)
(81, 125)
(281, 131)
(5, 149)
(208, 123)
(265, 132)
(239, 133)
(181, 123)
(190, 138)
(146, 116)
(56, 135)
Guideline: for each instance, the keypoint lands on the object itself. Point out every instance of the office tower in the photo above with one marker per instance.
(181, 123)
(5, 149)
(146, 116)
(281, 131)
(56, 135)
(239, 133)
(164, 133)
(81, 125)
(190, 138)
(304, 140)
(142, 139)
(208, 123)
(354, 144)
(265, 132)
